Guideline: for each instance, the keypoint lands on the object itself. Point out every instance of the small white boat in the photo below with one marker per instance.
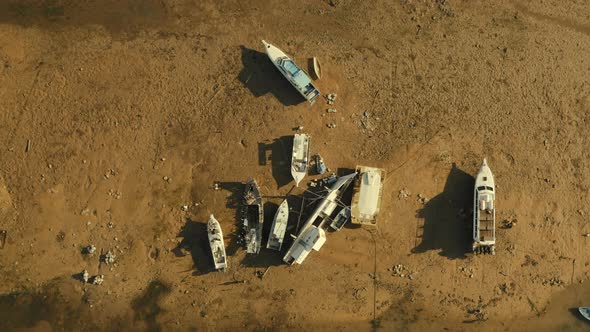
(312, 238)
(216, 242)
(585, 312)
(279, 226)
(300, 157)
(484, 211)
(295, 75)
(341, 219)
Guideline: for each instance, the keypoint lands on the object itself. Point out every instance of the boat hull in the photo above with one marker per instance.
(216, 243)
(253, 217)
(279, 226)
(300, 157)
(298, 78)
(484, 211)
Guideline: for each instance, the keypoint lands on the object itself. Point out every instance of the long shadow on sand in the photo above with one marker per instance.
(234, 202)
(280, 158)
(445, 227)
(261, 77)
(195, 241)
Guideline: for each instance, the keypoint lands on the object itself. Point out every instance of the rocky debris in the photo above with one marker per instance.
(402, 271)
(554, 281)
(404, 193)
(89, 249)
(331, 125)
(97, 279)
(586, 235)
(331, 98)
(479, 314)
(509, 223)
(359, 293)
(109, 257)
(85, 276)
(331, 110)
(116, 194)
(299, 128)
(216, 186)
(167, 179)
(184, 208)
(467, 271)
(422, 199)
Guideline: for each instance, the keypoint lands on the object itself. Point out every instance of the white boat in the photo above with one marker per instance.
(585, 312)
(341, 219)
(254, 217)
(311, 236)
(366, 198)
(216, 242)
(279, 226)
(300, 157)
(295, 75)
(484, 211)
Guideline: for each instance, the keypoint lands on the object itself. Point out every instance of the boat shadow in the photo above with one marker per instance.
(447, 226)
(576, 313)
(234, 202)
(280, 157)
(260, 76)
(195, 241)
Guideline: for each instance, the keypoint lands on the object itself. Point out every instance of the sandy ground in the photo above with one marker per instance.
(114, 96)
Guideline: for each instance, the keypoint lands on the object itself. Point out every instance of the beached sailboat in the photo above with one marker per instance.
(216, 242)
(279, 226)
(484, 211)
(253, 218)
(300, 157)
(295, 75)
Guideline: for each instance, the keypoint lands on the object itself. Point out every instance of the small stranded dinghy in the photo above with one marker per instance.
(216, 243)
(341, 218)
(585, 312)
(300, 157)
(279, 226)
(484, 211)
(254, 217)
(295, 75)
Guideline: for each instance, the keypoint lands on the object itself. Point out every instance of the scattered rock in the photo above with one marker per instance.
(331, 125)
(85, 276)
(184, 208)
(331, 110)
(89, 249)
(109, 257)
(98, 279)
(404, 193)
(422, 199)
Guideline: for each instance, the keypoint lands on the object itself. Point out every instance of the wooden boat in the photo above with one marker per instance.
(585, 312)
(253, 218)
(484, 211)
(279, 226)
(295, 75)
(300, 157)
(341, 219)
(216, 242)
(317, 69)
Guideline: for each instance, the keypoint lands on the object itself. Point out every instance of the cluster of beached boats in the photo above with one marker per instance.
(365, 204)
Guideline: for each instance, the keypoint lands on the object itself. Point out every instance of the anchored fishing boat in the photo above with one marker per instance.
(279, 226)
(484, 212)
(253, 218)
(216, 242)
(295, 75)
(300, 157)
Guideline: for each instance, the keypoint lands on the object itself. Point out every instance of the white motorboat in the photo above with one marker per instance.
(300, 157)
(341, 219)
(295, 75)
(279, 226)
(216, 242)
(254, 217)
(484, 211)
